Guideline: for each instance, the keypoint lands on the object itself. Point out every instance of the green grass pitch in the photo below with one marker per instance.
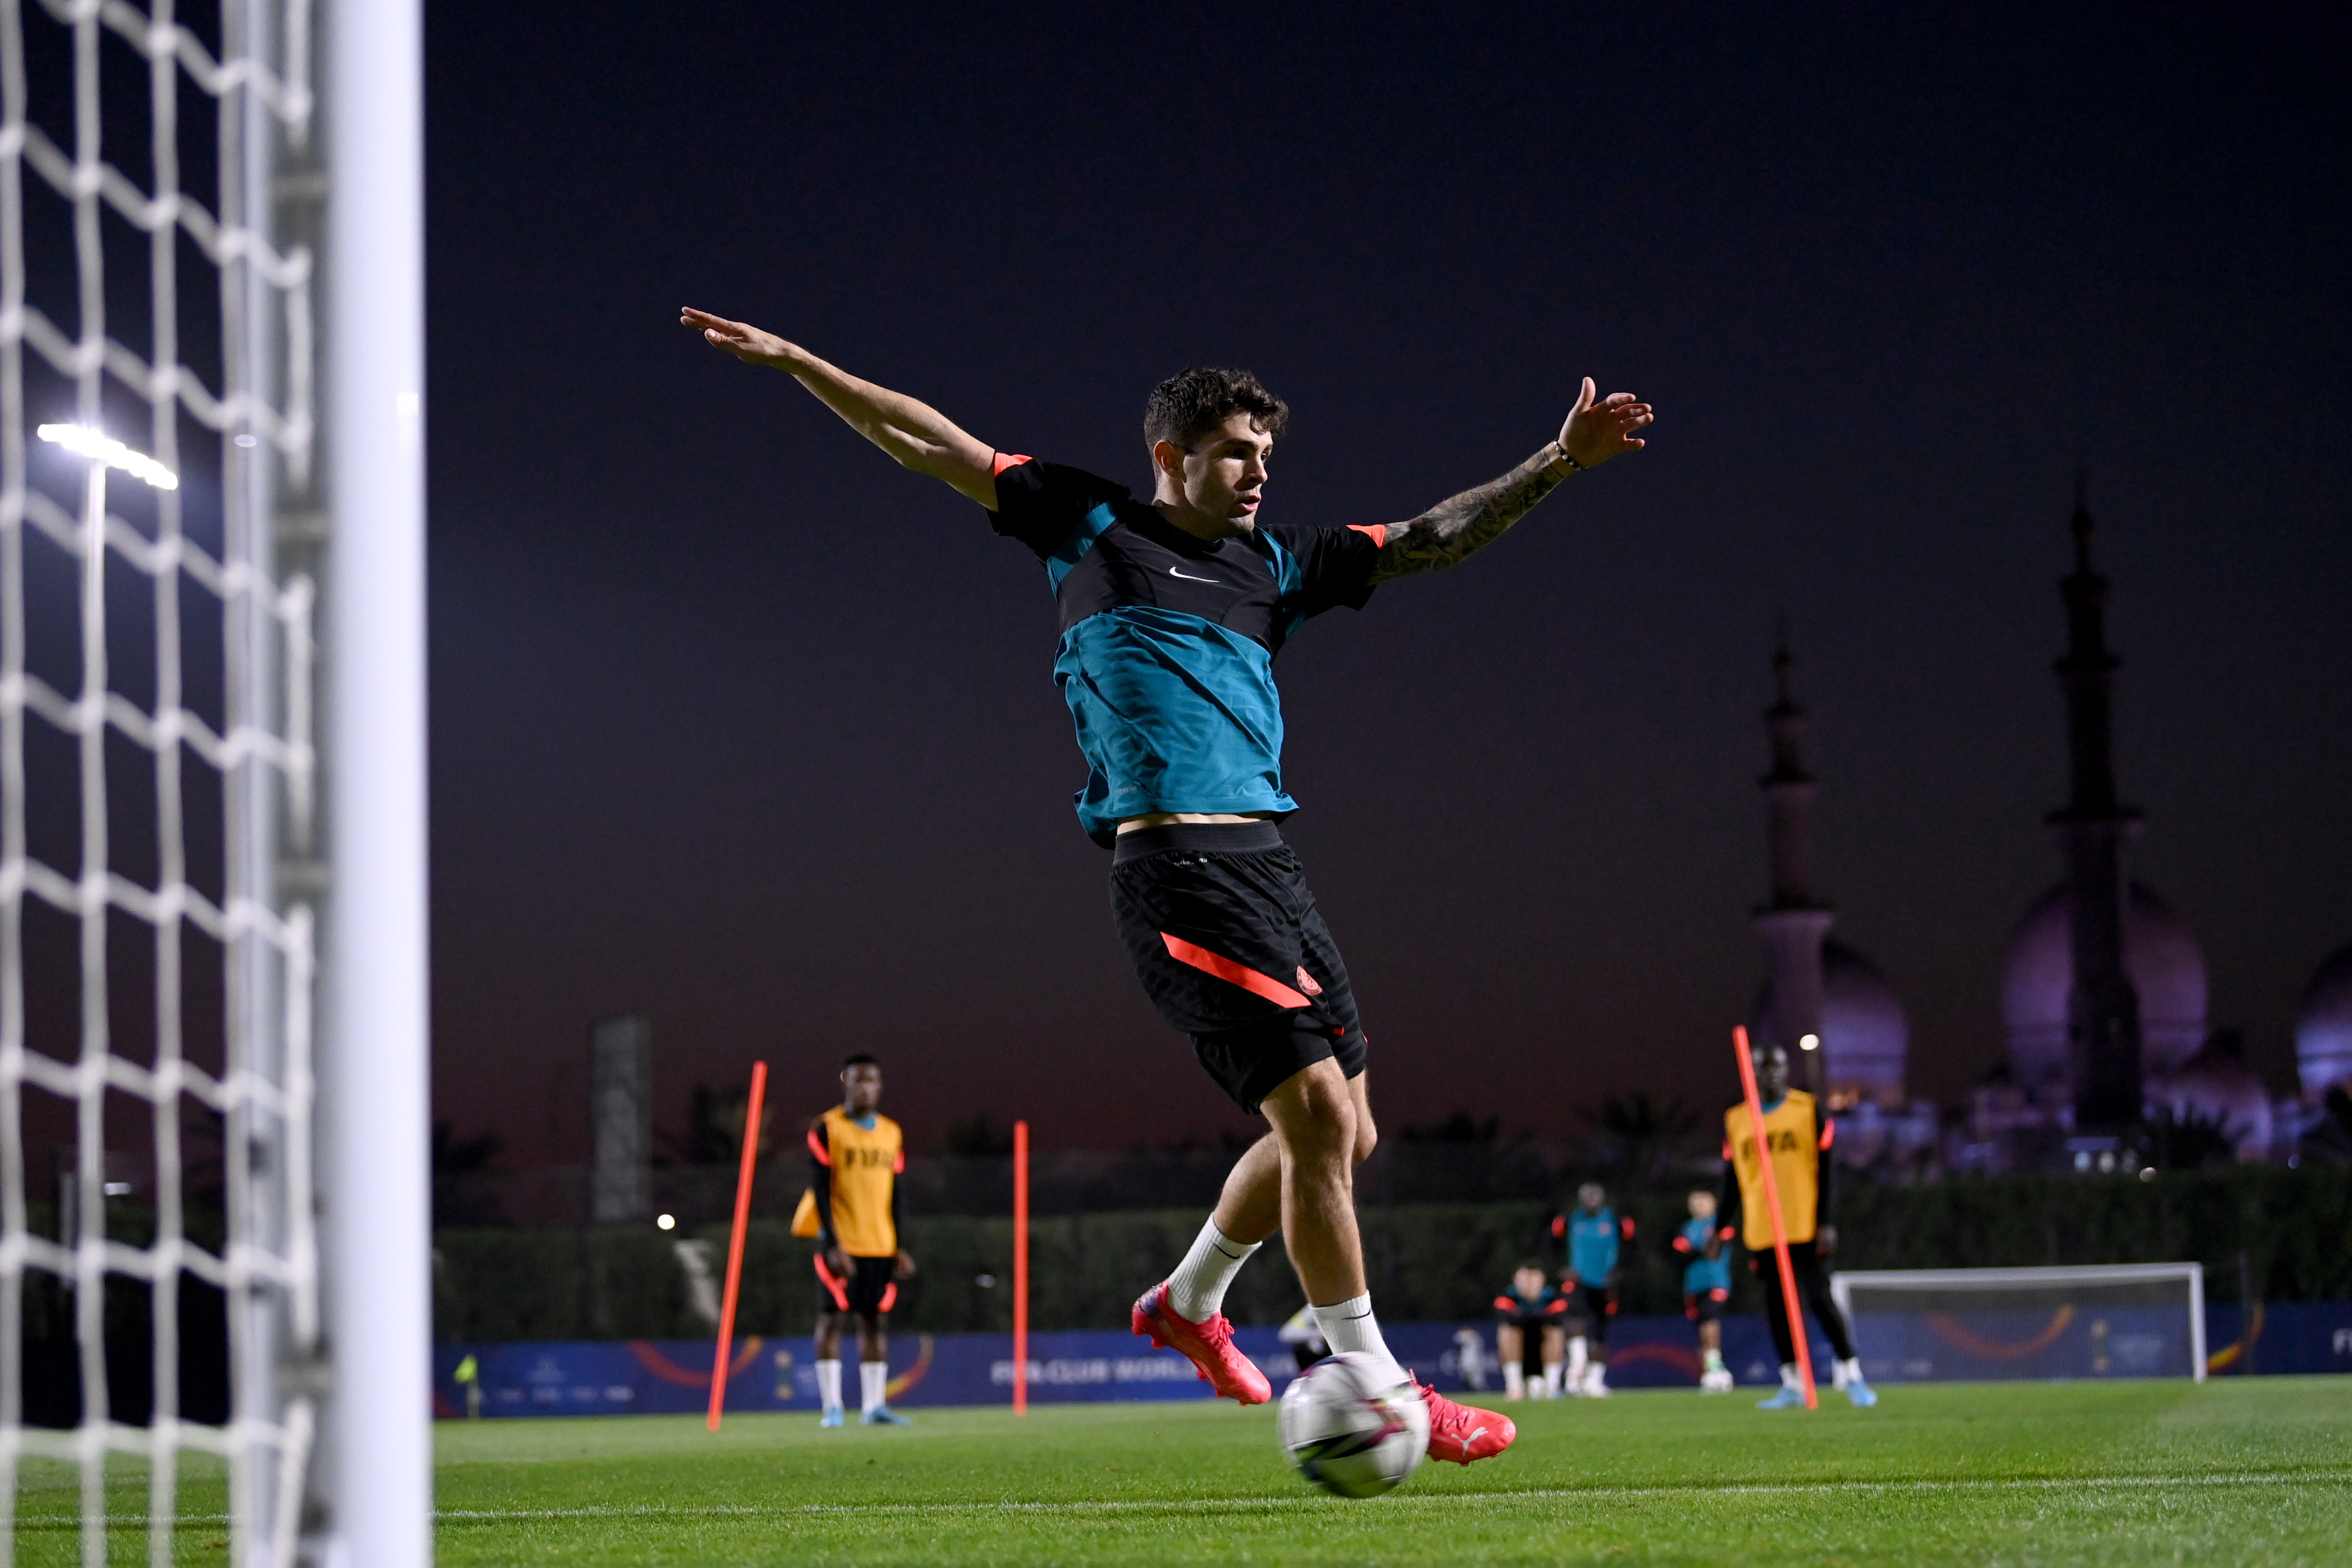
(2258, 1471)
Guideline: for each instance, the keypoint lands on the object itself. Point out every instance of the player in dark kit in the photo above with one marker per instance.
(856, 1155)
(1528, 1316)
(1596, 1237)
(1171, 611)
(1706, 1287)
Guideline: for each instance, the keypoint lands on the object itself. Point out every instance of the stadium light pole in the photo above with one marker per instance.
(374, 1095)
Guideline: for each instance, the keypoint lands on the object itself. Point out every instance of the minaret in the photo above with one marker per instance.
(1792, 922)
(2102, 1010)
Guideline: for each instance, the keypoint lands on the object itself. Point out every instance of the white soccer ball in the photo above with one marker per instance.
(1350, 1430)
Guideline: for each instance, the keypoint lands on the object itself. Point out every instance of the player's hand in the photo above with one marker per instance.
(836, 1263)
(744, 340)
(1825, 1241)
(906, 1269)
(1596, 432)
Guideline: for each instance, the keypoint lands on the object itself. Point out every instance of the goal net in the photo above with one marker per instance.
(2134, 1319)
(197, 454)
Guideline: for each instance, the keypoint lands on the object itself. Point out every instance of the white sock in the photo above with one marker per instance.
(1515, 1381)
(873, 1381)
(1849, 1371)
(1714, 1360)
(1789, 1378)
(828, 1384)
(1575, 1357)
(1196, 1292)
(1551, 1375)
(1351, 1326)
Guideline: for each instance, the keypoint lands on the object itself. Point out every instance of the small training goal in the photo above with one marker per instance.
(1958, 1325)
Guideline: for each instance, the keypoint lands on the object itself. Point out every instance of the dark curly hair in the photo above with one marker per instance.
(1193, 402)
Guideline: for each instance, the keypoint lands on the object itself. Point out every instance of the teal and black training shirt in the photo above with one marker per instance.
(1168, 641)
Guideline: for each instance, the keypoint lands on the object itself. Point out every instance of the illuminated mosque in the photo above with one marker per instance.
(2103, 990)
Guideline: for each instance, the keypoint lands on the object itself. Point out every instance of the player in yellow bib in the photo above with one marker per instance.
(855, 1153)
(1805, 1171)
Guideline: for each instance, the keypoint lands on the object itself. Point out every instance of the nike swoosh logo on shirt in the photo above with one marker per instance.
(1190, 578)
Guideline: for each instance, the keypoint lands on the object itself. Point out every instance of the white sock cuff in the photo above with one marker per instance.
(1350, 1326)
(1196, 1291)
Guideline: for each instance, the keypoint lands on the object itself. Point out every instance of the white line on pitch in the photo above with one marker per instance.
(1312, 1499)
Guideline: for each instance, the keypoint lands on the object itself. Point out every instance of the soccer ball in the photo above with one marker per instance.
(1349, 1429)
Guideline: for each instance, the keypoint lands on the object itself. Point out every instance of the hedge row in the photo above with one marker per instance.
(2294, 1229)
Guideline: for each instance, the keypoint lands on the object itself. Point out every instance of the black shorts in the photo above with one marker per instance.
(1230, 947)
(1704, 1306)
(871, 1289)
(1589, 1308)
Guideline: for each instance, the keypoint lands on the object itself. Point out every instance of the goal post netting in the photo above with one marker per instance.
(2130, 1320)
(213, 1194)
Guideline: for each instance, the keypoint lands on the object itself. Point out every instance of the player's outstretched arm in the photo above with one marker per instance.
(1594, 433)
(916, 435)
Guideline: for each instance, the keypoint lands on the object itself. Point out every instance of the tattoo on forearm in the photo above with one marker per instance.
(1470, 521)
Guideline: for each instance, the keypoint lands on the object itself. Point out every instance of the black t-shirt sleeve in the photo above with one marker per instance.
(1041, 504)
(1335, 564)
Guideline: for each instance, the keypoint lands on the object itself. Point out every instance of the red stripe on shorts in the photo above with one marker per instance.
(1226, 969)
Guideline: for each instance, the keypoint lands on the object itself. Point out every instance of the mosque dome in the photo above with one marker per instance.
(2323, 1027)
(2218, 1085)
(2160, 954)
(1866, 1035)
(1863, 1031)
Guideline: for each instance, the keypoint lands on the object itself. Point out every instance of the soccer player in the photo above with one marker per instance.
(856, 1154)
(1597, 1237)
(1171, 611)
(1806, 1175)
(1530, 1305)
(1707, 1286)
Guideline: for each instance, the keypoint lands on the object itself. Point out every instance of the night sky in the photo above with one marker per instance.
(737, 725)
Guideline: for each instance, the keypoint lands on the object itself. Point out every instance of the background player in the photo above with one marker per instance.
(1806, 1175)
(856, 1154)
(1172, 612)
(1597, 1237)
(1707, 1286)
(1529, 1307)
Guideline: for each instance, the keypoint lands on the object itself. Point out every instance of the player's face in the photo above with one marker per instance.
(1528, 1281)
(1702, 1204)
(1772, 1073)
(861, 1088)
(1225, 473)
(1589, 1196)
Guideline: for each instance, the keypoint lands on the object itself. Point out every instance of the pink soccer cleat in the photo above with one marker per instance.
(1209, 1345)
(1461, 1433)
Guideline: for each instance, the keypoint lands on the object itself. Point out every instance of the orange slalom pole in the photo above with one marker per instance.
(735, 1243)
(1021, 1268)
(1779, 1227)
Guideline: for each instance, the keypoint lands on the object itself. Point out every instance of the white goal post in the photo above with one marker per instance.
(2094, 1320)
(214, 1193)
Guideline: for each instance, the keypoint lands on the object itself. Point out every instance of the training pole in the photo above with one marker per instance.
(1779, 1227)
(735, 1243)
(1021, 1268)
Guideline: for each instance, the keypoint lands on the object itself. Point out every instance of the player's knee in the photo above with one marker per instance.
(1367, 1136)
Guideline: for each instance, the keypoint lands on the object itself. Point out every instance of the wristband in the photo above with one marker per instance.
(1573, 465)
